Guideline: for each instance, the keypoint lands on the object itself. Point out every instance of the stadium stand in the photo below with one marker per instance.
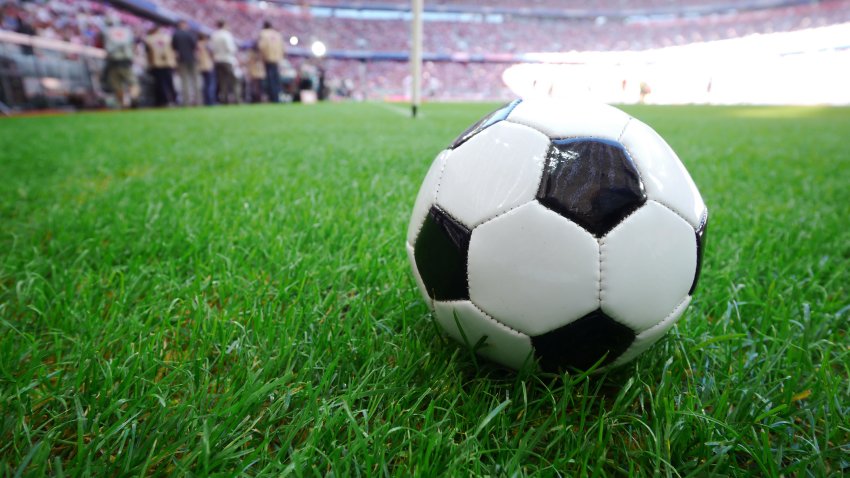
(80, 22)
(518, 34)
(468, 45)
(546, 7)
(512, 35)
(61, 65)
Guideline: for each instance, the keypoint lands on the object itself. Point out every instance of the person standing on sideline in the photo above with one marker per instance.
(118, 42)
(224, 58)
(270, 45)
(256, 68)
(161, 61)
(205, 66)
(184, 42)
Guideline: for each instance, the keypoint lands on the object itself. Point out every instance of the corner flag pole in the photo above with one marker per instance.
(416, 56)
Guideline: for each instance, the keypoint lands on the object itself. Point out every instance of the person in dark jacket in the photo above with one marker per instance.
(185, 44)
(26, 29)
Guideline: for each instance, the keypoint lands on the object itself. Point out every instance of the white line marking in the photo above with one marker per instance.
(397, 109)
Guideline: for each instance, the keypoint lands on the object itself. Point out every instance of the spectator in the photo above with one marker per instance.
(256, 76)
(224, 58)
(644, 90)
(161, 61)
(185, 44)
(205, 66)
(118, 43)
(23, 27)
(270, 46)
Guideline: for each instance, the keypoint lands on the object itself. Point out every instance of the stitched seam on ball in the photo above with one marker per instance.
(601, 242)
(468, 284)
(558, 137)
(631, 156)
(496, 216)
(487, 316)
(445, 161)
(532, 127)
(522, 123)
(623, 131)
(641, 172)
(624, 219)
(466, 266)
(418, 279)
(510, 120)
(668, 317)
(499, 214)
(675, 211)
(436, 189)
(468, 281)
(545, 164)
(637, 336)
(671, 209)
(440, 176)
(499, 324)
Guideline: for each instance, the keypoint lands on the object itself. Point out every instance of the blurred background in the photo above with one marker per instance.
(58, 54)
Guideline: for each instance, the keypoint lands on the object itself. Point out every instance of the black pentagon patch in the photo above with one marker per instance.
(441, 251)
(485, 123)
(580, 344)
(592, 182)
(703, 224)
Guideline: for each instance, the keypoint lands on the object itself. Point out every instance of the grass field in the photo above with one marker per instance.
(226, 291)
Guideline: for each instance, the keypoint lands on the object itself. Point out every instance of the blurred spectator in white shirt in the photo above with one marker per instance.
(224, 58)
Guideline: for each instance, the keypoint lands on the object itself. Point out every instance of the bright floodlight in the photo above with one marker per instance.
(293, 40)
(263, 5)
(318, 48)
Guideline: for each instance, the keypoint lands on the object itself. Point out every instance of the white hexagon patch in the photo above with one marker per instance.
(495, 171)
(533, 270)
(648, 265)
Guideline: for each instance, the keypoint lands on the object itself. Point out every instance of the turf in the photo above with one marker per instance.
(226, 291)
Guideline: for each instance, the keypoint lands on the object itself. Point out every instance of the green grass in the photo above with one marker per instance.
(226, 291)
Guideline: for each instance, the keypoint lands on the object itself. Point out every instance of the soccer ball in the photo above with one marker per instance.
(566, 233)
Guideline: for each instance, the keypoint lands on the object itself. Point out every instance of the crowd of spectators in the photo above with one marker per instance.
(190, 68)
(536, 4)
(513, 36)
(521, 34)
(82, 21)
(161, 65)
